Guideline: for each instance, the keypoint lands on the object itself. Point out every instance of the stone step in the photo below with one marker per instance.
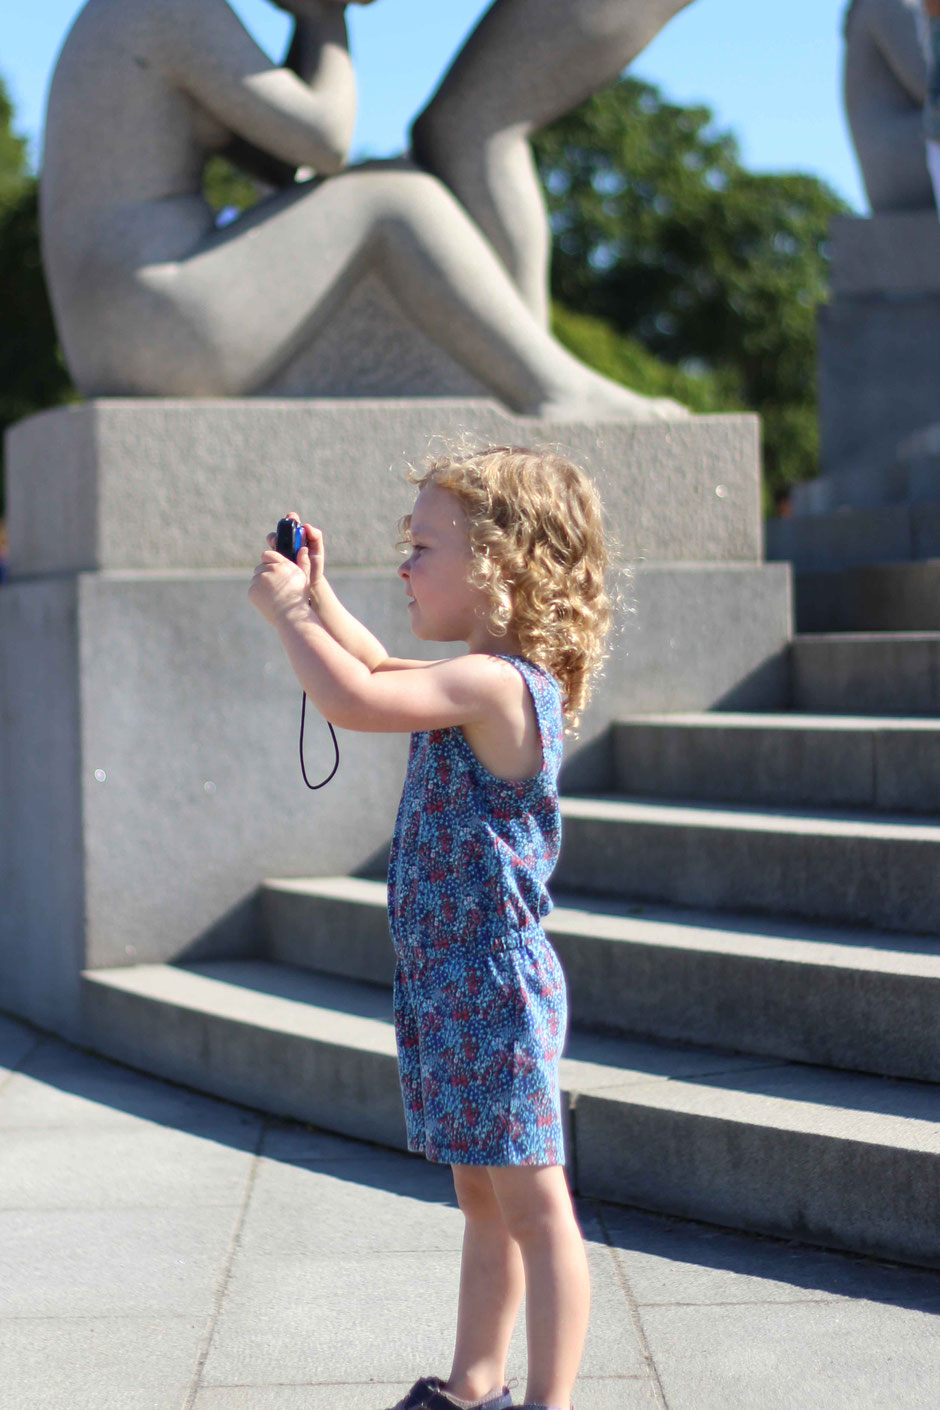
(866, 673)
(911, 479)
(852, 537)
(862, 869)
(786, 760)
(859, 1000)
(844, 1160)
(883, 597)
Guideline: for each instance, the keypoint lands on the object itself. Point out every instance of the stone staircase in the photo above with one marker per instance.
(750, 924)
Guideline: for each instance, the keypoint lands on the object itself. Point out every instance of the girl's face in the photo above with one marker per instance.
(442, 604)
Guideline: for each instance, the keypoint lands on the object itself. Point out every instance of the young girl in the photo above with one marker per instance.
(506, 555)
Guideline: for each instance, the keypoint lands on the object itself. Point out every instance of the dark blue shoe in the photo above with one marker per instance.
(429, 1394)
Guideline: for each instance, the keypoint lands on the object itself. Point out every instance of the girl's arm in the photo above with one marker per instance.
(342, 626)
(353, 636)
(465, 690)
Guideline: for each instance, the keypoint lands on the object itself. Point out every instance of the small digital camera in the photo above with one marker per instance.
(289, 539)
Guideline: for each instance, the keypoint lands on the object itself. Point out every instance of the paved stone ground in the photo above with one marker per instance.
(163, 1251)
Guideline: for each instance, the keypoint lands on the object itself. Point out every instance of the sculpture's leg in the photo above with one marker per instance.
(527, 62)
(255, 293)
(885, 84)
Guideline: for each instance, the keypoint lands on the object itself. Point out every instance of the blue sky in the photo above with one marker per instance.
(770, 72)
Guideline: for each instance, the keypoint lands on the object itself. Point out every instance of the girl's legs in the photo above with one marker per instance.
(521, 1234)
(492, 1282)
(536, 1208)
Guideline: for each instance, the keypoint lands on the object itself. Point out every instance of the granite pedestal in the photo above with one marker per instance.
(148, 771)
(861, 534)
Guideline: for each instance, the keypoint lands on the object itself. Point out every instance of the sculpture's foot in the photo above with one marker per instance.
(601, 400)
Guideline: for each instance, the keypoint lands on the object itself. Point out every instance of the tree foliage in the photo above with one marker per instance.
(14, 150)
(625, 359)
(227, 189)
(661, 231)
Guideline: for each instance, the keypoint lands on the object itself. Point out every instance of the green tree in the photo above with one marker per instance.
(32, 373)
(227, 189)
(625, 359)
(660, 231)
(14, 149)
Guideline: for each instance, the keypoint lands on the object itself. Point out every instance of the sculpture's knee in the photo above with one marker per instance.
(412, 202)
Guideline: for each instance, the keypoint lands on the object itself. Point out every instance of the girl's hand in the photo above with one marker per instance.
(279, 586)
(311, 557)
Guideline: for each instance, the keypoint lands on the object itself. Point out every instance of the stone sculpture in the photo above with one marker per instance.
(885, 85)
(152, 299)
(526, 63)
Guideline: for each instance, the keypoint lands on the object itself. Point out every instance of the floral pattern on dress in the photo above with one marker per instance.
(480, 996)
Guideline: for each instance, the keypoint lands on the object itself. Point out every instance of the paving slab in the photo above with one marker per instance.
(332, 1284)
(293, 1141)
(595, 1393)
(119, 1262)
(390, 1206)
(674, 1262)
(820, 1356)
(288, 1319)
(89, 1363)
(58, 1085)
(159, 1168)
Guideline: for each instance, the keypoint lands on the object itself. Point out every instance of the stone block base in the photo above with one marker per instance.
(877, 376)
(197, 484)
(149, 777)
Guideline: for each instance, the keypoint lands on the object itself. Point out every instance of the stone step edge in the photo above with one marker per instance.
(677, 1137)
(797, 721)
(595, 1066)
(665, 927)
(887, 640)
(748, 817)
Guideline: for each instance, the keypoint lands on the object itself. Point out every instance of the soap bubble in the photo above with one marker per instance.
(100, 775)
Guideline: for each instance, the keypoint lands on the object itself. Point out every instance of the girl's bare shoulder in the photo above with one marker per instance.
(506, 738)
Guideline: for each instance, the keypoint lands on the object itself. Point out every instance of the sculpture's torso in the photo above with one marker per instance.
(125, 146)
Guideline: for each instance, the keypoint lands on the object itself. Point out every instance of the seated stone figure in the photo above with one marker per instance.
(151, 298)
(885, 85)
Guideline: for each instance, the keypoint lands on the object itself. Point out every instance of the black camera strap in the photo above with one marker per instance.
(303, 713)
(289, 540)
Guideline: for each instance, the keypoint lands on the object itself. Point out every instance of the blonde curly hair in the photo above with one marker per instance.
(537, 544)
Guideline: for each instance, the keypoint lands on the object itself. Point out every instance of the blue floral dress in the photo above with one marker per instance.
(480, 998)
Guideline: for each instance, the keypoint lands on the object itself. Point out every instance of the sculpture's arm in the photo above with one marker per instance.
(302, 58)
(302, 118)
